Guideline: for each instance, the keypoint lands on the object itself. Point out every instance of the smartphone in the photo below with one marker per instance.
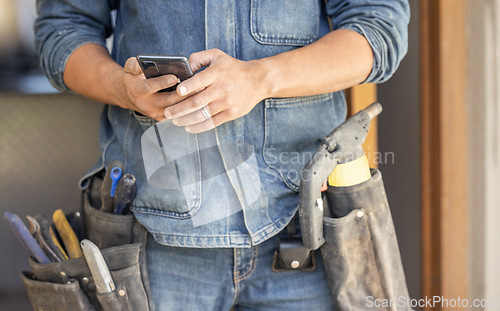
(159, 65)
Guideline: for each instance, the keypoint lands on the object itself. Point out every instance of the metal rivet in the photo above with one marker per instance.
(77, 214)
(121, 292)
(295, 264)
(85, 280)
(360, 214)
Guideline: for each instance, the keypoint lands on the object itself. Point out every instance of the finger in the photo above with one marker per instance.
(190, 104)
(154, 85)
(132, 66)
(202, 59)
(198, 116)
(196, 83)
(157, 115)
(190, 119)
(209, 124)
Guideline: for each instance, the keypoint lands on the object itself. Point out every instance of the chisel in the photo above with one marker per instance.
(67, 234)
(50, 237)
(37, 234)
(114, 169)
(98, 267)
(125, 194)
(22, 233)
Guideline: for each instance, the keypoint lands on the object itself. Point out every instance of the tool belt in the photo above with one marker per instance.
(360, 254)
(68, 285)
(351, 225)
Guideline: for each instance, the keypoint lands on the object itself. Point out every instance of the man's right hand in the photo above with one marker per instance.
(141, 93)
(91, 72)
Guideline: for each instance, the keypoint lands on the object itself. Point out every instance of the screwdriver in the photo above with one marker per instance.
(27, 240)
(113, 174)
(50, 237)
(36, 232)
(67, 234)
(125, 194)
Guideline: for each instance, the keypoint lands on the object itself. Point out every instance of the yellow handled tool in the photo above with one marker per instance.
(58, 246)
(50, 237)
(350, 173)
(67, 234)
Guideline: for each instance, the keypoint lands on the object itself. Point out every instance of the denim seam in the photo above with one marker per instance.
(164, 213)
(197, 236)
(201, 241)
(253, 265)
(265, 231)
(266, 135)
(296, 101)
(235, 281)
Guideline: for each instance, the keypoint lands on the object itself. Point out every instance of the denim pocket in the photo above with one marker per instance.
(294, 128)
(171, 185)
(291, 22)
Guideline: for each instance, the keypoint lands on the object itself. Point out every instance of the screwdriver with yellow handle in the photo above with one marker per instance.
(67, 234)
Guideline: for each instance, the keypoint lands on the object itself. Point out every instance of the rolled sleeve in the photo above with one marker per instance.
(384, 24)
(63, 26)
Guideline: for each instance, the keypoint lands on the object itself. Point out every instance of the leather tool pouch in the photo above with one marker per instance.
(291, 253)
(361, 252)
(68, 285)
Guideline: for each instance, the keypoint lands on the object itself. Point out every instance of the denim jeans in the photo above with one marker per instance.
(220, 278)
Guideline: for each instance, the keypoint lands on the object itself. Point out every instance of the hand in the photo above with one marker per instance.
(141, 93)
(226, 90)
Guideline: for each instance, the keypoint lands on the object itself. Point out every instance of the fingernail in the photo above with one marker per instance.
(168, 114)
(182, 90)
(172, 80)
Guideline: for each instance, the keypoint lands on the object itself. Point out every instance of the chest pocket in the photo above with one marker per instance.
(286, 22)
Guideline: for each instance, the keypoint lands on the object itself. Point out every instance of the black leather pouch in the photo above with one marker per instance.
(292, 255)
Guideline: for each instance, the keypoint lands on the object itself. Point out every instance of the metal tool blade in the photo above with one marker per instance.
(98, 267)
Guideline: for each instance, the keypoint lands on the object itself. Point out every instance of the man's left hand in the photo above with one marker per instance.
(226, 90)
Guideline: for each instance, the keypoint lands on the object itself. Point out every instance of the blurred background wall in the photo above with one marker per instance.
(47, 142)
(483, 111)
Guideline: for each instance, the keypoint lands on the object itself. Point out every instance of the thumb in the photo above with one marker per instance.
(132, 66)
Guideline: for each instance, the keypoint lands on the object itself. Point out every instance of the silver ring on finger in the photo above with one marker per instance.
(205, 113)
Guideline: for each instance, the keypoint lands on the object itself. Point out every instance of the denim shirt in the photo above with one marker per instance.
(237, 185)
